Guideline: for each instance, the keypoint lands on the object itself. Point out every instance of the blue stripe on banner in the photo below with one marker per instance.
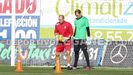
(100, 53)
(114, 27)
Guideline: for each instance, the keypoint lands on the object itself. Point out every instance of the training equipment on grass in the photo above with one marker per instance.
(19, 64)
(58, 66)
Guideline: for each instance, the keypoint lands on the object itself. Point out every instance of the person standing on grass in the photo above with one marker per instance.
(81, 35)
(63, 33)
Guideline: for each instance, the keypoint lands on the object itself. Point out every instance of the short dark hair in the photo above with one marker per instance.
(77, 10)
(62, 16)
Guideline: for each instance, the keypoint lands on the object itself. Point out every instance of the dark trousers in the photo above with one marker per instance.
(80, 44)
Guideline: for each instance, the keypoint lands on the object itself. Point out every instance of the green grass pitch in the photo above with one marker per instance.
(8, 70)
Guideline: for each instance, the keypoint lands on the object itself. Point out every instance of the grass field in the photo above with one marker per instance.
(8, 70)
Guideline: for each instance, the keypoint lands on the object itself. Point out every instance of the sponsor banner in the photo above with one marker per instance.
(42, 52)
(27, 27)
(113, 14)
(103, 15)
(5, 27)
(108, 19)
(118, 54)
(106, 34)
(27, 14)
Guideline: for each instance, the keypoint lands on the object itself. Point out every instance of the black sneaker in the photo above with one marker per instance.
(54, 67)
(69, 68)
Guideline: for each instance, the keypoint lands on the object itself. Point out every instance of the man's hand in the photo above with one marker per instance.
(61, 38)
(56, 37)
(66, 38)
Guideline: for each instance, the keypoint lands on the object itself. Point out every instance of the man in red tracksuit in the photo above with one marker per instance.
(63, 32)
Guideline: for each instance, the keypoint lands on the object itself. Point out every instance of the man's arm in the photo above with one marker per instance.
(88, 31)
(87, 27)
(70, 30)
(74, 29)
(56, 33)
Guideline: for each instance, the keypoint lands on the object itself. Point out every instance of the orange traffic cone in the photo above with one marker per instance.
(19, 64)
(58, 67)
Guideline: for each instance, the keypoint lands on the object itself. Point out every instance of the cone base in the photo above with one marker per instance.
(58, 72)
(19, 71)
(58, 69)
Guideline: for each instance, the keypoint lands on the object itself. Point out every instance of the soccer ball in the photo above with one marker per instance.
(61, 38)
